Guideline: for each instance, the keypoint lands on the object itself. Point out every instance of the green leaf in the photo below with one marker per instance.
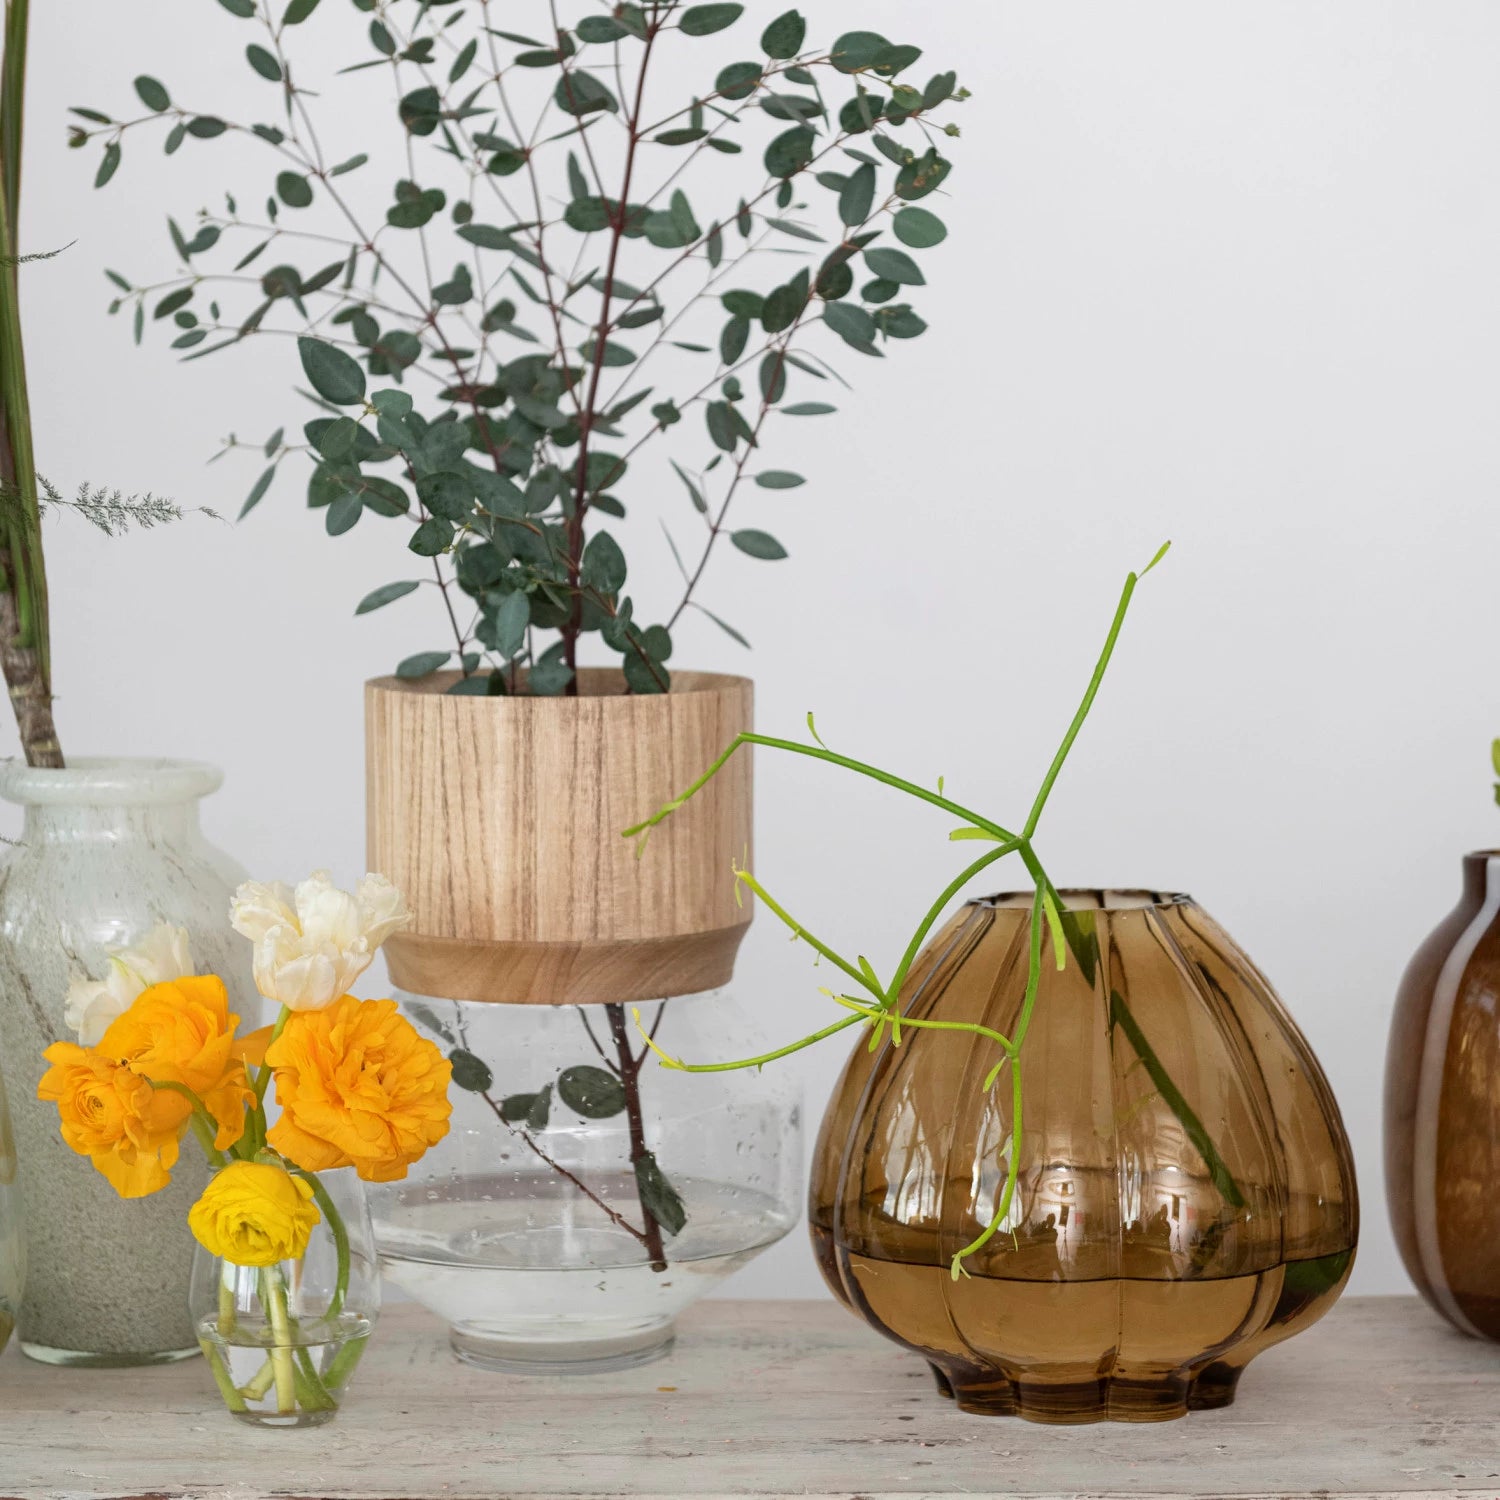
(206, 127)
(510, 621)
(784, 36)
(858, 196)
(684, 137)
(658, 1197)
(540, 1111)
(773, 479)
(257, 494)
(919, 228)
(447, 494)
(895, 265)
(856, 50)
(264, 62)
(486, 236)
(579, 93)
(732, 340)
(808, 409)
(152, 94)
(465, 58)
(600, 29)
(721, 425)
(604, 563)
(784, 306)
(852, 324)
(298, 11)
(241, 8)
(343, 514)
(432, 537)
(759, 544)
(923, 176)
(423, 664)
(108, 164)
(515, 1107)
(739, 80)
(791, 151)
(424, 1015)
(701, 505)
(591, 1092)
(473, 1073)
(723, 625)
(386, 594)
(294, 189)
(334, 375)
(704, 20)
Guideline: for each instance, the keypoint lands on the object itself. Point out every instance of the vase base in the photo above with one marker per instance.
(515, 1354)
(89, 1359)
(293, 1419)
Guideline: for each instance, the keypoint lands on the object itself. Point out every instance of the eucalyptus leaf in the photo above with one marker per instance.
(591, 1092)
(759, 544)
(385, 594)
(658, 1197)
(469, 1072)
(704, 20)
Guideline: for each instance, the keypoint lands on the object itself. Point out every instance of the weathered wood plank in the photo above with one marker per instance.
(770, 1400)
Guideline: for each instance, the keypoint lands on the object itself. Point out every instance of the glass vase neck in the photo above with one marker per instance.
(109, 798)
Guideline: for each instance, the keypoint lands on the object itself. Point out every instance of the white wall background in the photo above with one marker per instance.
(1221, 273)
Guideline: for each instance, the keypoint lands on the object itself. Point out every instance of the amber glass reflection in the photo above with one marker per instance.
(1185, 1197)
(1442, 1109)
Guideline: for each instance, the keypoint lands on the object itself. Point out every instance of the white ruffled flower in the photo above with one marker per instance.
(312, 943)
(163, 954)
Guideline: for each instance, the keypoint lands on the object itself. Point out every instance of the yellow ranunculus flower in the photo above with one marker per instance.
(113, 1116)
(254, 1214)
(183, 1032)
(358, 1087)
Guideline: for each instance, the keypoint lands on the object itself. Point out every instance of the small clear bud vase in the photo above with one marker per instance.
(283, 1340)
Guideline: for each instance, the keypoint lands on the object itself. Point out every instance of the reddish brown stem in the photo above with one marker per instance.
(630, 1079)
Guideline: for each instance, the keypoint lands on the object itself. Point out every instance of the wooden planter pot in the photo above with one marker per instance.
(500, 818)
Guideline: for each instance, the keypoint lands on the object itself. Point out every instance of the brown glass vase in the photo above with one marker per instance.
(1442, 1109)
(1186, 1193)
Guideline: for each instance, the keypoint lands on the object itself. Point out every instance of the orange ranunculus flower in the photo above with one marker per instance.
(183, 1032)
(358, 1087)
(114, 1117)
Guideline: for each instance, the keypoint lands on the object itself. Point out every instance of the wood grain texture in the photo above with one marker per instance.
(500, 818)
(769, 1400)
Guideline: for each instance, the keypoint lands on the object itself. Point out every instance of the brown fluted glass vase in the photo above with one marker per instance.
(1442, 1109)
(1185, 1192)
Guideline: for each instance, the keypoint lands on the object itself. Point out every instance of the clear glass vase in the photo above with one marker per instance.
(108, 849)
(283, 1340)
(12, 1247)
(585, 1195)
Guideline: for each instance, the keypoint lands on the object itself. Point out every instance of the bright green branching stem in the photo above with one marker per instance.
(340, 1232)
(1068, 930)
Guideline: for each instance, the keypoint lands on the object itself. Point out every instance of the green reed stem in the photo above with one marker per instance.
(340, 1232)
(232, 1396)
(273, 1295)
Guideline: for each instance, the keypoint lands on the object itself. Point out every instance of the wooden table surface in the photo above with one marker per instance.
(769, 1399)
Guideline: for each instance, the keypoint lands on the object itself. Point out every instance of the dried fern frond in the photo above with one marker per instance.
(114, 513)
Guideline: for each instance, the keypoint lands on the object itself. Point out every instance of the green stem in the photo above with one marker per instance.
(263, 1078)
(340, 1232)
(24, 637)
(341, 1366)
(780, 912)
(273, 1295)
(1121, 610)
(817, 753)
(745, 1062)
(953, 887)
(1120, 1015)
(232, 1397)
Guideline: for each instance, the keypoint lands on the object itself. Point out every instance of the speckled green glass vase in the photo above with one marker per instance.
(108, 849)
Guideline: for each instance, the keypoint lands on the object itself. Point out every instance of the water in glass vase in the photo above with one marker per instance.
(276, 1385)
(533, 1278)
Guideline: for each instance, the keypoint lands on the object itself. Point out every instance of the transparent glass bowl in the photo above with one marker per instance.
(563, 1224)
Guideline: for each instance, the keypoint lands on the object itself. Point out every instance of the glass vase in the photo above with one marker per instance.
(1442, 1109)
(584, 1195)
(282, 1341)
(108, 849)
(1184, 1195)
(12, 1248)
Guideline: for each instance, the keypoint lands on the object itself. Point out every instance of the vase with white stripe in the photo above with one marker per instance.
(1442, 1109)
